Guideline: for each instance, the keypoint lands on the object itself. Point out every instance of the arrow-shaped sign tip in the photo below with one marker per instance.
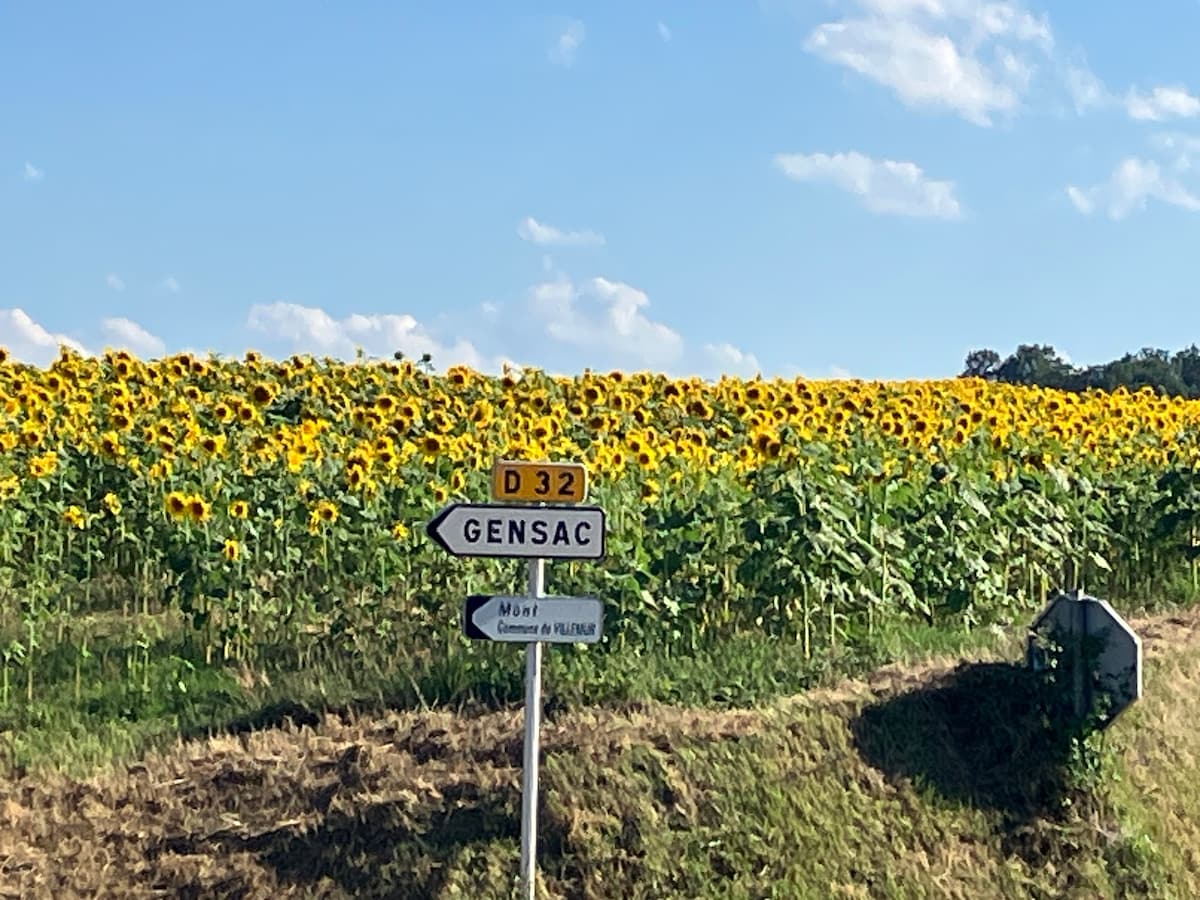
(431, 527)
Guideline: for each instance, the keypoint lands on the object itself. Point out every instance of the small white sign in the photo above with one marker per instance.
(550, 620)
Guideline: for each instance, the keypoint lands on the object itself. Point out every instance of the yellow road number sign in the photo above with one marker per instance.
(535, 482)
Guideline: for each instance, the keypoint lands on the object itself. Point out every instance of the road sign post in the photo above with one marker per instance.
(533, 733)
(529, 528)
(1103, 653)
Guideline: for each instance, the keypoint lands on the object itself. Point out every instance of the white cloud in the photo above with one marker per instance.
(308, 329)
(29, 342)
(884, 186)
(32, 172)
(171, 285)
(1173, 140)
(1132, 183)
(1163, 102)
(972, 57)
(566, 45)
(608, 317)
(530, 229)
(976, 58)
(1080, 200)
(729, 360)
(1182, 148)
(1086, 90)
(598, 323)
(124, 334)
(114, 281)
(836, 373)
(664, 32)
(606, 324)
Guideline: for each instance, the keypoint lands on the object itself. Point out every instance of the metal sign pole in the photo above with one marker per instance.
(532, 530)
(533, 717)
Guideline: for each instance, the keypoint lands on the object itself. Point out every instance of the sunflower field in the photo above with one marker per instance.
(273, 511)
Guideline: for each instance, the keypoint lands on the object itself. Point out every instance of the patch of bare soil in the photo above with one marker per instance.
(1173, 632)
(342, 807)
(300, 811)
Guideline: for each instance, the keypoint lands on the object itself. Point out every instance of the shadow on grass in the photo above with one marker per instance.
(985, 735)
(271, 715)
(382, 849)
(343, 686)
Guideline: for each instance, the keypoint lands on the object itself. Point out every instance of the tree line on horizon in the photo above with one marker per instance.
(1173, 374)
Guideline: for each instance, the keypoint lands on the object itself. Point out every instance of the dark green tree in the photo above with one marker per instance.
(1175, 374)
(981, 364)
(1037, 364)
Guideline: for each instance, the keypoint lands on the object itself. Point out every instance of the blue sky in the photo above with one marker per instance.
(863, 187)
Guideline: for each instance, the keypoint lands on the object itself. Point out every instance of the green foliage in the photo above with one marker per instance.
(806, 569)
(1174, 374)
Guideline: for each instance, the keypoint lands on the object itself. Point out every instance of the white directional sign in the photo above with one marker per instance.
(552, 620)
(1116, 667)
(535, 533)
(491, 529)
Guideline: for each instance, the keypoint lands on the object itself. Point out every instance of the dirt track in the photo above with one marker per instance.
(314, 812)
